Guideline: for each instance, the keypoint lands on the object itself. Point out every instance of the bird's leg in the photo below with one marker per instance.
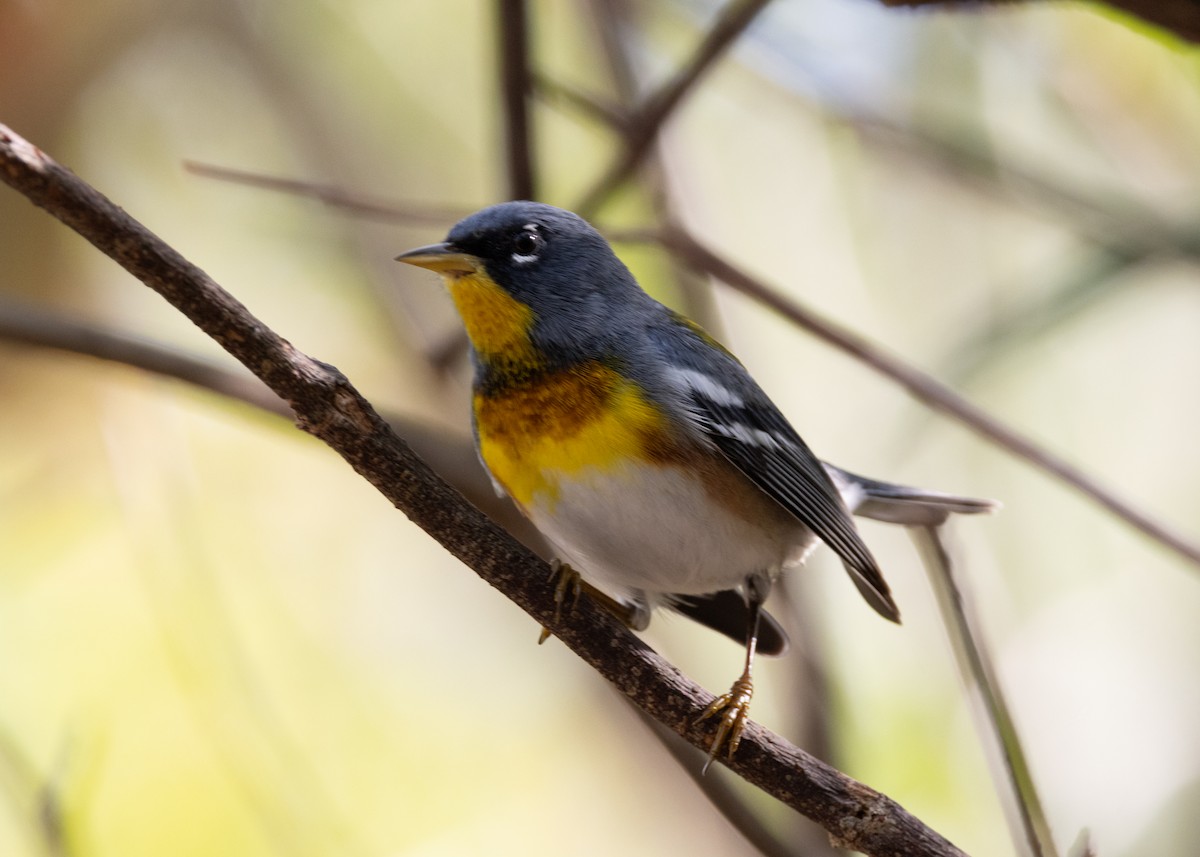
(567, 584)
(734, 706)
(568, 587)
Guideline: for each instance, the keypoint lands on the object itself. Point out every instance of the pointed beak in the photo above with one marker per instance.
(444, 258)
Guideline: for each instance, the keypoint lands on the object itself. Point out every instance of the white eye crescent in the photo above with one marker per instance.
(527, 244)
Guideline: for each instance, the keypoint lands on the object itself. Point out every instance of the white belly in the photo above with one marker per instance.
(659, 532)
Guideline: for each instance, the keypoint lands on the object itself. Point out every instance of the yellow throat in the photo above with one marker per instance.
(497, 324)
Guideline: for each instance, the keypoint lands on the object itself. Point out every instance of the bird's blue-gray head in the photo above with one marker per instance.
(525, 272)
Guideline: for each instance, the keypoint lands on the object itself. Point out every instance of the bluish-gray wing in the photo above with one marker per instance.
(756, 439)
(735, 414)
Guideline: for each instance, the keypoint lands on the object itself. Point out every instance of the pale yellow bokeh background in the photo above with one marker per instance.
(216, 639)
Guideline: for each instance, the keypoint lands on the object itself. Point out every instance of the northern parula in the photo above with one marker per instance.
(640, 447)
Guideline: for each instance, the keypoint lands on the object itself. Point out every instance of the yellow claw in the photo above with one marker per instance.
(734, 708)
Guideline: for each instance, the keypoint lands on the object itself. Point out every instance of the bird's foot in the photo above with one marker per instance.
(567, 586)
(734, 710)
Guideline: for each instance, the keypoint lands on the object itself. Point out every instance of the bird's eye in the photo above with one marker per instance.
(527, 245)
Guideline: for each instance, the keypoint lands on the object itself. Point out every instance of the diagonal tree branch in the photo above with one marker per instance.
(451, 457)
(328, 407)
(642, 127)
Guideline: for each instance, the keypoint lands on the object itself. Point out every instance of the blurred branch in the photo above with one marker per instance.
(37, 808)
(589, 105)
(811, 688)
(516, 86)
(450, 455)
(27, 325)
(327, 406)
(1096, 277)
(642, 126)
(721, 794)
(1027, 819)
(1082, 847)
(923, 387)
(442, 352)
(356, 203)
(616, 26)
(317, 131)
(1114, 221)
(1181, 17)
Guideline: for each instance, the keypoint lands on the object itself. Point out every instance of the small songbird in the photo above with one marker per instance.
(640, 447)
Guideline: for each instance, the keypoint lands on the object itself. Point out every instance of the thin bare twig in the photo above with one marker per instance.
(1027, 819)
(327, 406)
(320, 133)
(441, 353)
(516, 86)
(923, 387)
(643, 125)
(359, 204)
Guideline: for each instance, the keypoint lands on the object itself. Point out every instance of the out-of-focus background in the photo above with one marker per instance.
(216, 639)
